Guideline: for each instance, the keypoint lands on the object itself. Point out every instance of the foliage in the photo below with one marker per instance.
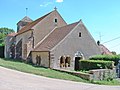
(105, 82)
(114, 58)
(3, 33)
(95, 64)
(6, 30)
(2, 51)
(114, 53)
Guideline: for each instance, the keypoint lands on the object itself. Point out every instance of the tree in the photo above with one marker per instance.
(3, 33)
(114, 53)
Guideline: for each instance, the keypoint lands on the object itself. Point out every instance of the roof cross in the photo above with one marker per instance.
(55, 8)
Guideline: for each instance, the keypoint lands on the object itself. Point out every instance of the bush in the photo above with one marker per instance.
(1, 51)
(114, 58)
(98, 64)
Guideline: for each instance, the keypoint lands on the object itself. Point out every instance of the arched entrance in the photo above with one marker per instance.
(12, 51)
(62, 61)
(38, 60)
(77, 63)
(78, 56)
(19, 50)
(67, 61)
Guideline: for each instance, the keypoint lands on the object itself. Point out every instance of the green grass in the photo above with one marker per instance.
(113, 82)
(21, 66)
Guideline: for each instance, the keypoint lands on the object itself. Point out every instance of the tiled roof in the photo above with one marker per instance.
(31, 24)
(104, 50)
(12, 34)
(55, 37)
(26, 19)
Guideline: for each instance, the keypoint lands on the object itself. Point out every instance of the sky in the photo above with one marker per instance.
(101, 17)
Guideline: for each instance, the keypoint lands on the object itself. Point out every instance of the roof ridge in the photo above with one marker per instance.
(44, 38)
(68, 25)
(31, 24)
(12, 34)
(55, 37)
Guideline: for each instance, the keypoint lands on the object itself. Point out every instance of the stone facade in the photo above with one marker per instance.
(9, 44)
(46, 26)
(50, 42)
(44, 56)
(26, 40)
(73, 43)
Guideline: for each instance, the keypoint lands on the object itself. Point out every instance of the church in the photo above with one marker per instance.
(50, 42)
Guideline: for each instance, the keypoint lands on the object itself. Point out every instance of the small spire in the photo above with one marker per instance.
(55, 8)
(80, 20)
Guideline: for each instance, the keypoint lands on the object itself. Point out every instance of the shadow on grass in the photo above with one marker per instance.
(23, 61)
(13, 60)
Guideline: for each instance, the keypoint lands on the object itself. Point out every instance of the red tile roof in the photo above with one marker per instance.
(104, 50)
(26, 19)
(31, 24)
(55, 37)
(12, 34)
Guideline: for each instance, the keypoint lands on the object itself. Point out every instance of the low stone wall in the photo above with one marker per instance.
(98, 74)
(86, 76)
(103, 74)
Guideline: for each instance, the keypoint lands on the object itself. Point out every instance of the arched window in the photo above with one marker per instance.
(67, 61)
(38, 60)
(62, 61)
(80, 34)
(56, 20)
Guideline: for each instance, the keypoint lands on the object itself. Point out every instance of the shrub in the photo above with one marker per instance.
(95, 64)
(114, 58)
(1, 51)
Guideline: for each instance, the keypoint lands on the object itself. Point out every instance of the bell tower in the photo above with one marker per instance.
(23, 22)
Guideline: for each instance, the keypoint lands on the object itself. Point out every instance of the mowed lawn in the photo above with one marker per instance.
(23, 67)
(20, 66)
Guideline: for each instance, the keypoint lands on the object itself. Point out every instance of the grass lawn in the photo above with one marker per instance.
(20, 66)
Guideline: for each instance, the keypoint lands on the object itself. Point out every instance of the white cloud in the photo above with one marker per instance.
(59, 1)
(45, 4)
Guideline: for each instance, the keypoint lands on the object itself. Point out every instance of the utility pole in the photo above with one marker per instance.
(100, 36)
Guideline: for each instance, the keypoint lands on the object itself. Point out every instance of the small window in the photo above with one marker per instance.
(55, 20)
(80, 34)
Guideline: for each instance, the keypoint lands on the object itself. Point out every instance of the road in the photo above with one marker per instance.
(15, 80)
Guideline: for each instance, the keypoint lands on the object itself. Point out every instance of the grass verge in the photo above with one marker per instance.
(21, 66)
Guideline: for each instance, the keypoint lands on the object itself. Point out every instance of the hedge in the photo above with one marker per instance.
(114, 58)
(1, 51)
(98, 64)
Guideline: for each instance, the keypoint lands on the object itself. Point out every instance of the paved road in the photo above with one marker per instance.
(15, 80)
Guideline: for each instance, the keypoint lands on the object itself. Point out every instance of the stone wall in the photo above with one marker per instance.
(72, 43)
(99, 74)
(25, 39)
(44, 58)
(46, 25)
(103, 74)
(85, 76)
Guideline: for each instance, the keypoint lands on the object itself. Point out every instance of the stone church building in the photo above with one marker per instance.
(50, 42)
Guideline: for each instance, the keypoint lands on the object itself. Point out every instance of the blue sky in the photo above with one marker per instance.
(101, 17)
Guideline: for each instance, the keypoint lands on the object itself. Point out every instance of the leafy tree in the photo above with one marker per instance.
(3, 33)
(114, 53)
